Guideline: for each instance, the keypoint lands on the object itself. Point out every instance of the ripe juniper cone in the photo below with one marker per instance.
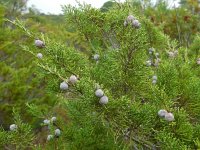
(53, 119)
(39, 43)
(49, 137)
(39, 55)
(13, 127)
(73, 79)
(130, 18)
(64, 86)
(151, 50)
(154, 77)
(169, 117)
(99, 93)
(57, 132)
(154, 81)
(103, 100)
(162, 113)
(136, 24)
(96, 57)
(46, 121)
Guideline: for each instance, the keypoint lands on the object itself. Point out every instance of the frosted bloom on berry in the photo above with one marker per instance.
(39, 43)
(46, 121)
(39, 55)
(162, 113)
(130, 18)
(154, 77)
(13, 127)
(53, 119)
(49, 137)
(99, 93)
(96, 57)
(136, 24)
(169, 117)
(57, 132)
(73, 79)
(154, 82)
(151, 50)
(103, 100)
(64, 86)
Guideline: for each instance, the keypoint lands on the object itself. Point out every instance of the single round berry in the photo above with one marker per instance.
(99, 93)
(154, 82)
(103, 100)
(136, 24)
(154, 77)
(162, 113)
(169, 117)
(53, 119)
(57, 132)
(13, 127)
(49, 137)
(151, 49)
(96, 57)
(46, 121)
(64, 86)
(39, 55)
(130, 18)
(39, 43)
(73, 79)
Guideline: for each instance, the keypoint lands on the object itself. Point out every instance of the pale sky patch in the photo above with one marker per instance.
(54, 6)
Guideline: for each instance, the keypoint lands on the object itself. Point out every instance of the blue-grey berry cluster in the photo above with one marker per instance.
(167, 116)
(132, 21)
(154, 79)
(103, 99)
(64, 85)
(39, 43)
(154, 59)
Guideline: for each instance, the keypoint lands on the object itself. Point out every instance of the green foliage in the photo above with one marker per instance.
(21, 138)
